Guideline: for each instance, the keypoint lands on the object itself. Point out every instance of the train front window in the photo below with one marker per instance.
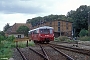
(51, 31)
(44, 31)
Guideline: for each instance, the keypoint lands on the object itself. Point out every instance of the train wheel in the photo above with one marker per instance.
(42, 42)
(35, 41)
(47, 42)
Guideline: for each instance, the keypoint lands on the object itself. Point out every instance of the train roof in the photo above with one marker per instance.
(45, 27)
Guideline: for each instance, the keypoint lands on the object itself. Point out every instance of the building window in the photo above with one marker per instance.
(58, 28)
(19, 36)
(66, 25)
(50, 23)
(58, 23)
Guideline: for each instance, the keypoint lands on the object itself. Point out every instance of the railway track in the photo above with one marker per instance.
(51, 52)
(42, 52)
(22, 55)
(77, 50)
(54, 53)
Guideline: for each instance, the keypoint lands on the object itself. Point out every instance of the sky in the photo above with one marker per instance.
(18, 11)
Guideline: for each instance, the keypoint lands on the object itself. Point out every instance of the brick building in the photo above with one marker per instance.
(61, 27)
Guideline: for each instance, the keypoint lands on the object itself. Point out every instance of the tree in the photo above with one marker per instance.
(40, 20)
(23, 29)
(6, 27)
(80, 18)
(2, 33)
(83, 32)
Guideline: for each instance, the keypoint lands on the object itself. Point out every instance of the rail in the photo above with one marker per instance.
(39, 54)
(43, 50)
(24, 58)
(77, 50)
(68, 57)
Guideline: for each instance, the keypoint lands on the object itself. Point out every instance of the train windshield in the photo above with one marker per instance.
(44, 31)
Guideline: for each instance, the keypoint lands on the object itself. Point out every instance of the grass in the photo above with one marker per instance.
(6, 48)
(84, 38)
(22, 44)
(63, 39)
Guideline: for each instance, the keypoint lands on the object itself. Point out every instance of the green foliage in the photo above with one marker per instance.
(2, 38)
(63, 38)
(2, 33)
(83, 32)
(22, 44)
(80, 18)
(6, 27)
(10, 38)
(85, 38)
(56, 39)
(23, 29)
(31, 43)
(5, 46)
(40, 20)
(5, 49)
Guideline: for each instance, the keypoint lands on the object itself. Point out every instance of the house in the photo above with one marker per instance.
(13, 30)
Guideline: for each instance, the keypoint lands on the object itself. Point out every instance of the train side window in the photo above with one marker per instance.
(37, 31)
(34, 32)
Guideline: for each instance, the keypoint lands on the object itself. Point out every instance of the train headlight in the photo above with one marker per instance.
(46, 35)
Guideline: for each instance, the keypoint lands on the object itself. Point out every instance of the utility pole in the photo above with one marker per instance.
(60, 31)
(89, 23)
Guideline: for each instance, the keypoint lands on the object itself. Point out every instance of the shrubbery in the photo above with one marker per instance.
(6, 43)
(63, 39)
(2, 38)
(85, 38)
(10, 38)
(83, 32)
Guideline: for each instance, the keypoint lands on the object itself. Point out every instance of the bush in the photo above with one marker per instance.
(62, 38)
(83, 32)
(10, 38)
(56, 39)
(1, 38)
(85, 38)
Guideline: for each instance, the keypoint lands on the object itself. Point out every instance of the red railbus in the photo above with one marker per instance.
(42, 34)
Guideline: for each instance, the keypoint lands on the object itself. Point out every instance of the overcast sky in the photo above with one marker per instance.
(18, 11)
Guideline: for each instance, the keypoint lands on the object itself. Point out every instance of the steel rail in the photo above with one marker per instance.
(24, 58)
(44, 52)
(77, 50)
(38, 53)
(68, 57)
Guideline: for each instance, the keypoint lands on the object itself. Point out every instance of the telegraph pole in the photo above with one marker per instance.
(89, 23)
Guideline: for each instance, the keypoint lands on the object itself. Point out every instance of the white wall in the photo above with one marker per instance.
(16, 35)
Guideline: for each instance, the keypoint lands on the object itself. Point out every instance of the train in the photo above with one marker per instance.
(42, 34)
